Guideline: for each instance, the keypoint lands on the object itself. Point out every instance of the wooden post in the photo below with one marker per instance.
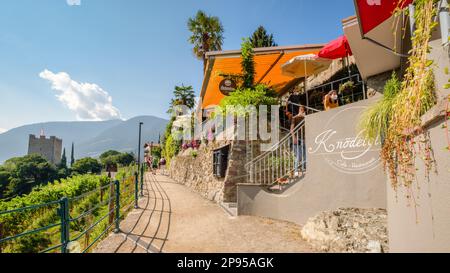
(111, 203)
(90, 220)
(1, 236)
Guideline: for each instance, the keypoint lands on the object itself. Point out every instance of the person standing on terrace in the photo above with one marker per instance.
(331, 100)
(293, 104)
(298, 140)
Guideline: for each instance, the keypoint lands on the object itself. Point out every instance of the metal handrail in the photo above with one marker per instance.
(65, 219)
(29, 207)
(280, 161)
(357, 76)
(302, 123)
(306, 107)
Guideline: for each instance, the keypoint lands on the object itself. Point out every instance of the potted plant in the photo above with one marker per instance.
(346, 87)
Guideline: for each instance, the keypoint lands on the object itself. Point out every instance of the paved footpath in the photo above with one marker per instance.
(172, 218)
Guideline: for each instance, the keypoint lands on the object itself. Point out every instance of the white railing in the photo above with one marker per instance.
(282, 163)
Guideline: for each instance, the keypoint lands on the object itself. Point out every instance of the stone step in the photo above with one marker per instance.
(230, 208)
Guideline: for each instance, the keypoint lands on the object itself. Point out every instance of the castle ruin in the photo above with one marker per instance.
(48, 148)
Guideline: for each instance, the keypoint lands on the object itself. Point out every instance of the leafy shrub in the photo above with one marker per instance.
(87, 165)
(19, 222)
(375, 120)
(260, 95)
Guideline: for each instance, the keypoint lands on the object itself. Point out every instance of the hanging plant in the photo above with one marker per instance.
(396, 119)
(415, 98)
(346, 87)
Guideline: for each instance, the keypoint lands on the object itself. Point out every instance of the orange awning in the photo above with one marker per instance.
(267, 67)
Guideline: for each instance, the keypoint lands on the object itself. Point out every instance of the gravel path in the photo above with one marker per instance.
(172, 218)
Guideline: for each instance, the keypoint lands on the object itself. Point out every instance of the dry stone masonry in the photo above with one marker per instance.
(194, 169)
(348, 230)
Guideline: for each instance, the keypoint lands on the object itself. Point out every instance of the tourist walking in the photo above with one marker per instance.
(162, 165)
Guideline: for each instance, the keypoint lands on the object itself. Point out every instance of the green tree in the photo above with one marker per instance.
(24, 173)
(108, 154)
(206, 34)
(247, 64)
(63, 159)
(260, 38)
(183, 95)
(72, 156)
(109, 158)
(112, 157)
(170, 146)
(4, 180)
(87, 165)
(62, 169)
(125, 159)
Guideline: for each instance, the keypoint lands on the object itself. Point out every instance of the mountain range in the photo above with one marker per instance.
(90, 138)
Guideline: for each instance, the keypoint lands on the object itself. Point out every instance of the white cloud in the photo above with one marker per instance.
(2, 130)
(89, 101)
(73, 2)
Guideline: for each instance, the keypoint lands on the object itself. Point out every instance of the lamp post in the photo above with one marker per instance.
(139, 146)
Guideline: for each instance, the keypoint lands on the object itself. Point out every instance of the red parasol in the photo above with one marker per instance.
(372, 13)
(336, 49)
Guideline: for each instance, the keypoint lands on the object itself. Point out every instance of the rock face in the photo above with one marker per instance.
(348, 230)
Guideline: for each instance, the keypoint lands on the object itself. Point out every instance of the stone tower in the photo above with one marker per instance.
(48, 148)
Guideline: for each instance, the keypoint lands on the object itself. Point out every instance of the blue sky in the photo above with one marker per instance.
(132, 52)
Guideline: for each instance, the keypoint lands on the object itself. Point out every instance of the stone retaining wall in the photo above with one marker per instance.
(196, 172)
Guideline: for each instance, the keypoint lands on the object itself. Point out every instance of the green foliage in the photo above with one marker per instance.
(87, 165)
(87, 193)
(206, 34)
(447, 85)
(172, 148)
(126, 159)
(259, 95)
(260, 38)
(346, 87)
(156, 152)
(18, 222)
(125, 172)
(403, 142)
(72, 156)
(63, 163)
(248, 64)
(20, 174)
(183, 95)
(114, 158)
(108, 154)
(375, 120)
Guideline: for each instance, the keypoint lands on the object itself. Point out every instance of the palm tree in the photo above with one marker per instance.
(183, 95)
(207, 34)
(260, 38)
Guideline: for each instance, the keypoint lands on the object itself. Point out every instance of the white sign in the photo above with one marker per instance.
(344, 150)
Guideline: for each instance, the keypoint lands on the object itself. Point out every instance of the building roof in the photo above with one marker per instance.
(268, 63)
(372, 59)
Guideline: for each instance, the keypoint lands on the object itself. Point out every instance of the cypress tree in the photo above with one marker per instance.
(64, 159)
(72, 157)
(248, 64)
